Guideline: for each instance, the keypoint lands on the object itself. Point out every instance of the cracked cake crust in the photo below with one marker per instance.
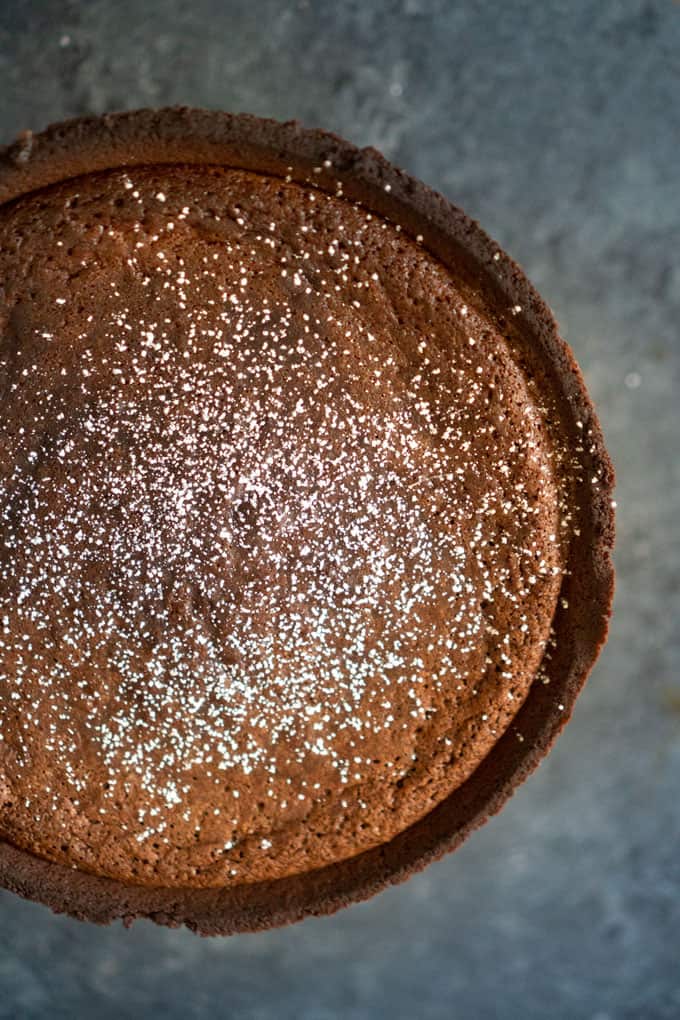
(161, 142)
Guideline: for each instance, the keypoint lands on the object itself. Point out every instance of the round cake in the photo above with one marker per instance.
(305, 521)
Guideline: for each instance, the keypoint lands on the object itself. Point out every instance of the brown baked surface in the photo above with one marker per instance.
(294, 496)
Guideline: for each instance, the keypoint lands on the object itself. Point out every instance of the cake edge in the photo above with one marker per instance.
(310, 156)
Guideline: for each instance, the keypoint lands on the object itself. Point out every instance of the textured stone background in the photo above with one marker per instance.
(558, 126)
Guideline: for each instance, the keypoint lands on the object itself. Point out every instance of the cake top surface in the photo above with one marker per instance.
(285, 517)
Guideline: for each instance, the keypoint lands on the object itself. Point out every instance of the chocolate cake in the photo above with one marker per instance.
(305, 522)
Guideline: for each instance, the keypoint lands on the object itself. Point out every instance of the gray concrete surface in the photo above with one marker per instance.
(558, 126)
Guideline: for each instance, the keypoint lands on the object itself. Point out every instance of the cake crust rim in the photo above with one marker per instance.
(184, 135)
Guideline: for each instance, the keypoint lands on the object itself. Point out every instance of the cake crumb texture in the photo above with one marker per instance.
(285, 511)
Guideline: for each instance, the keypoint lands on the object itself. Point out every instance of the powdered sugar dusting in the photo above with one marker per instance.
(256, 540)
